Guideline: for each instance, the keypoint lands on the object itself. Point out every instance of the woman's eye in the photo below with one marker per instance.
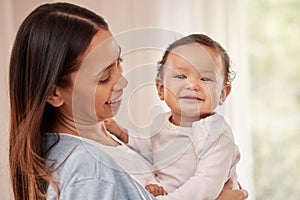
(104, 80)
(180, 76)
(205, 79)
(119, 60)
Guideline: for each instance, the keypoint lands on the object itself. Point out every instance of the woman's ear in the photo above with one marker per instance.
(54, 98)
(224, 93)
(160, 88)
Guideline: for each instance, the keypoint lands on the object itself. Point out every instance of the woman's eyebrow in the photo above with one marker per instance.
(112, 64)
(120, 50)
(106, 68)
(109, 66)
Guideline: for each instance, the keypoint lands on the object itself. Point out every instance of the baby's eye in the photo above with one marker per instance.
(205, 79)
(181, 76)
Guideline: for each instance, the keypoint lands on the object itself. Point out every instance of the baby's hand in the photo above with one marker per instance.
(112, 126)
(154, 189)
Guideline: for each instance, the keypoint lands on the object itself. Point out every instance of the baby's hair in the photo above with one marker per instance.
(204, 40)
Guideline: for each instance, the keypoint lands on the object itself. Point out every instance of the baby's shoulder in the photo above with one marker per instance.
(214, 125)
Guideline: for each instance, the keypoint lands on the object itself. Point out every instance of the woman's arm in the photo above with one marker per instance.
(233, 195)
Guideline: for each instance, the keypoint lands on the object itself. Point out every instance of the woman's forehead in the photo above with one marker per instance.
(102, 52)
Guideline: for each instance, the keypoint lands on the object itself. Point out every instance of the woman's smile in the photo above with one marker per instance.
(114, 103)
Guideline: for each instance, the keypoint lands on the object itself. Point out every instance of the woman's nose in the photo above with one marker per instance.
(121, 84)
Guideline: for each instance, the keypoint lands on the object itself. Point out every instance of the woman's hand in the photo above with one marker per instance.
(229, 194)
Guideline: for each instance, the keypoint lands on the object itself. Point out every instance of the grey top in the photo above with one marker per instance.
(87, 172)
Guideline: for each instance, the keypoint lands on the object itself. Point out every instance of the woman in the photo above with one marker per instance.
(65, 77)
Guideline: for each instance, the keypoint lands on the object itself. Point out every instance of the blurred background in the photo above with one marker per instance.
(262, 39)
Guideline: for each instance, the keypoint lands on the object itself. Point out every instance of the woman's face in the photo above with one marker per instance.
(97, 87)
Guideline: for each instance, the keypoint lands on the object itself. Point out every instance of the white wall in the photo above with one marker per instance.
(5, 44)
(222, 20)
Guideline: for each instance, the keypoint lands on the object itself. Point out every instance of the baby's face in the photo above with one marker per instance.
(193, 81)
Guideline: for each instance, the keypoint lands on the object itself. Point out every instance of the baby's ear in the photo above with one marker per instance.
(224, 93)
(160, 88)
(54, 98)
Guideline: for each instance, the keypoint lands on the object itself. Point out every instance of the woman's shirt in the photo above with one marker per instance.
(85, 171)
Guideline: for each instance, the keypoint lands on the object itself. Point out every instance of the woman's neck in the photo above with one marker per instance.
(95, 131)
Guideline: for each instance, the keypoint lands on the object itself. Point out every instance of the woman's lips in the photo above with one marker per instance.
(114, 103)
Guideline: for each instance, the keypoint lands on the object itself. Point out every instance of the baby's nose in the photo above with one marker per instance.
(193, 84)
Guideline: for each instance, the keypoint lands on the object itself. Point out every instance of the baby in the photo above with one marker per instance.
(191, 147)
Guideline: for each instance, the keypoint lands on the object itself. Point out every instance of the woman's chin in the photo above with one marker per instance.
(113, 113)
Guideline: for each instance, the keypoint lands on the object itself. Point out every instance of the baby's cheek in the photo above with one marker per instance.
(169, 93)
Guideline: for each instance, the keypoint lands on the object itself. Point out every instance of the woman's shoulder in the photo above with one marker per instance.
(79, 159)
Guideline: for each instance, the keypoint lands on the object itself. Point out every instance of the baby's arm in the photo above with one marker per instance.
(112, 126)
(155, 189)
(209, 178)
(137, 142)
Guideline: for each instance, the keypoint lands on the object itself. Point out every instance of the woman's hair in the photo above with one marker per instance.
(48, 47)
(204, 40)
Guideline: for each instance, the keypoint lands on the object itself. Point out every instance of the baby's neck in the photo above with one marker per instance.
(186, 121)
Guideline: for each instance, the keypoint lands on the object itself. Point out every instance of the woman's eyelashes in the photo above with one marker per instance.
(107, 73)
(104, 78)
(119, 60)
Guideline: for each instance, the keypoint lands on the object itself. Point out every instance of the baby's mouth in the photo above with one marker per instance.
(192, 98)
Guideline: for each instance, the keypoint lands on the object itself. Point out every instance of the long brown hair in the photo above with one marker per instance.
(47, 49)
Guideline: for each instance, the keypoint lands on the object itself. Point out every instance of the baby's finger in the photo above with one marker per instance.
(160, 190)
(150, 188)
